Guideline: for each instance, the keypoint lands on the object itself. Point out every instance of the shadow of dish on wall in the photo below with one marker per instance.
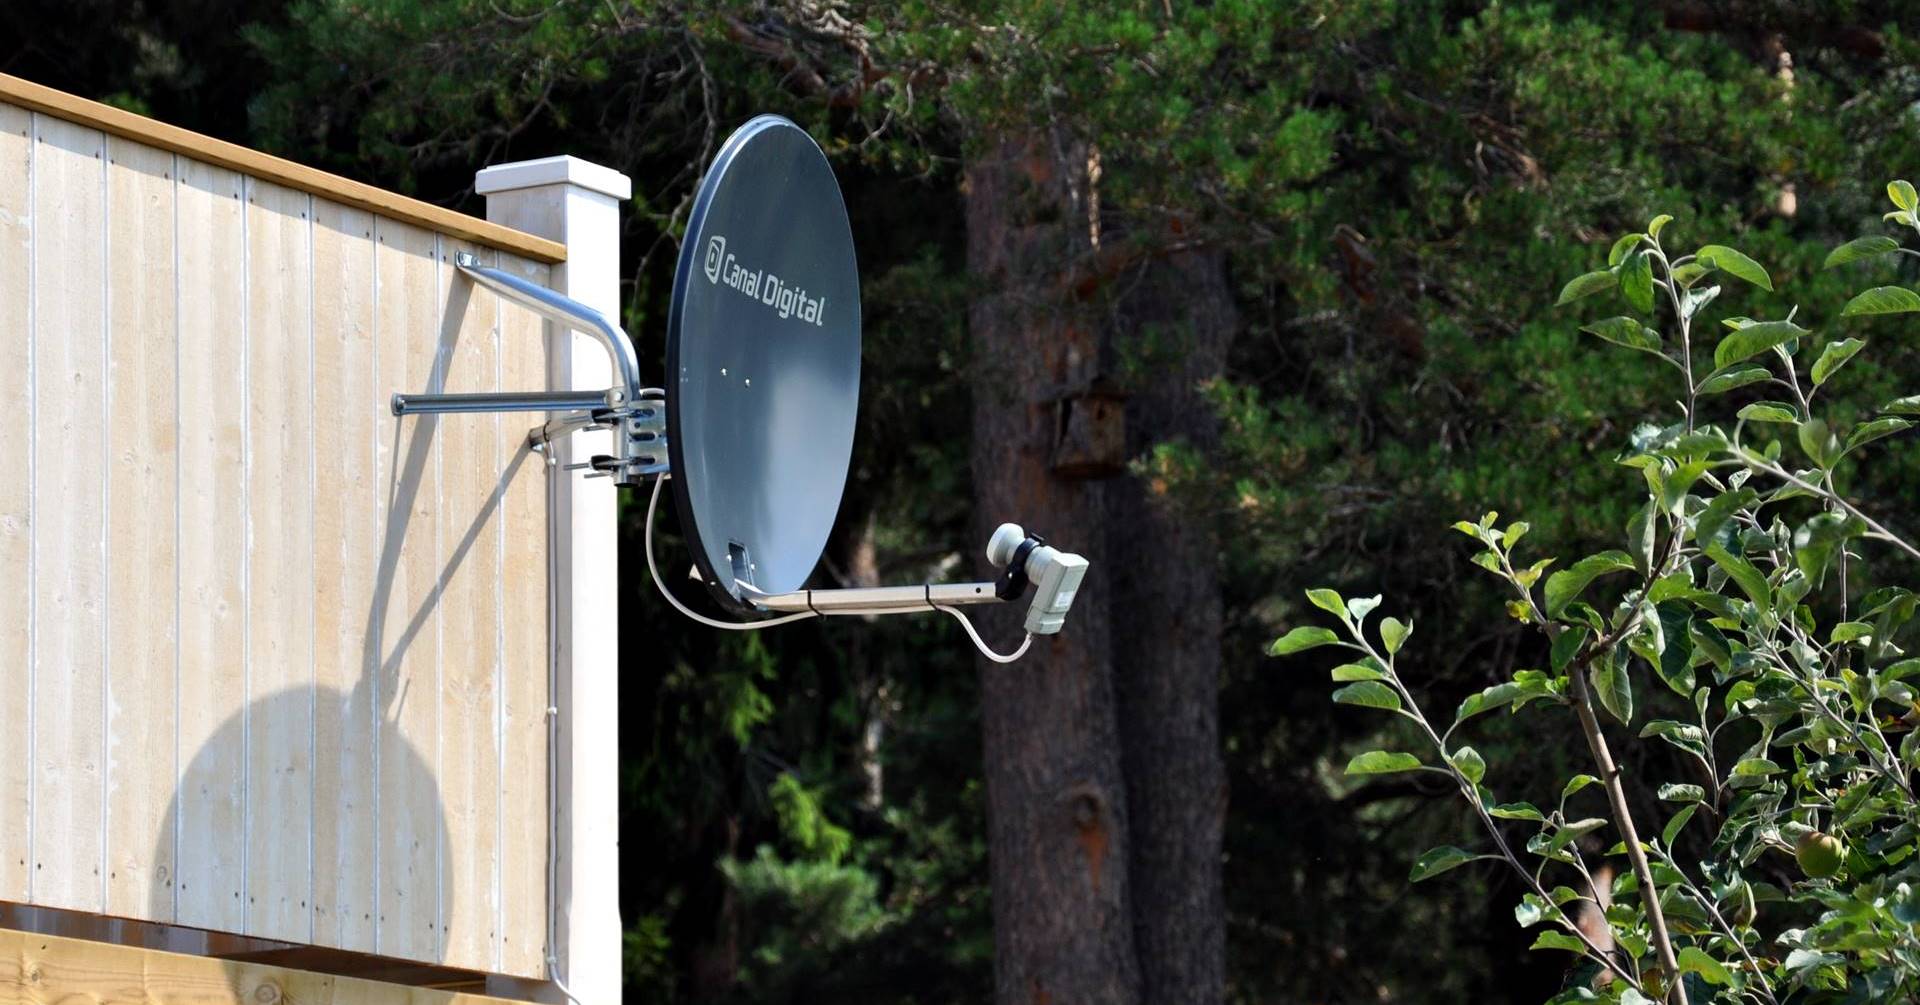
(364, 872)
(316, 816)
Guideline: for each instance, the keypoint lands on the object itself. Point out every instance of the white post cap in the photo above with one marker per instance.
(563, 170)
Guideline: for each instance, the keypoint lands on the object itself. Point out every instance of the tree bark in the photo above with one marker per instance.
(1166, 636)
(1056, 804)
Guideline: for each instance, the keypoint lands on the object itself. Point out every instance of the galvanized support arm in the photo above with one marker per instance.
(633, 412)
(562, 310)
(872, 600)
(497, 401)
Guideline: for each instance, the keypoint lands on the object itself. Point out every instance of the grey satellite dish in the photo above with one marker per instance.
(763, 361)
(755, 428)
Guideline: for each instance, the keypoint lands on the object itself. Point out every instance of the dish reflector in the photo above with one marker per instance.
(763, 355)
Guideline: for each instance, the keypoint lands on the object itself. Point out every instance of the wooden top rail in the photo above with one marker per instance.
(139, 128)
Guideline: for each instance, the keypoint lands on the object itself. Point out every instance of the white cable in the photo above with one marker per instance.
(732, 626)
(653, 568)
(981, 645)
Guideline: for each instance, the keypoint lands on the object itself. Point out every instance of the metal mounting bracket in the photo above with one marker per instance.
(636, 414)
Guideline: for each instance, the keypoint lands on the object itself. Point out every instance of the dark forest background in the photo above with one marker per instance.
(1234, 298)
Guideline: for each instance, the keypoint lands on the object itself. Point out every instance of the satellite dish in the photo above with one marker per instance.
(763, 362)
(755, 425)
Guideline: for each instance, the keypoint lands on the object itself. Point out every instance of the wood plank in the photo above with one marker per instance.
(16, 498)
(69, 350)
(406, 598)
(142, 351)
(210, 806)
(348, 404)
(280, 450)
(470, 490)
(523, 628)
(266, 167)
(41, 968)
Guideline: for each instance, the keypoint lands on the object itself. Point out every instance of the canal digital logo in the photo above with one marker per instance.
(784, 298)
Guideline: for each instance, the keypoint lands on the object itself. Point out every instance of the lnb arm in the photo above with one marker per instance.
(1023, 559)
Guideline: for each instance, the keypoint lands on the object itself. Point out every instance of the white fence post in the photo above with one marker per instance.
(578, 204)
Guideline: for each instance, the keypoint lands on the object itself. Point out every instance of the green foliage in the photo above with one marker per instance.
(799, 914)
(804, 821)
(1397, 186)
(1789, 686)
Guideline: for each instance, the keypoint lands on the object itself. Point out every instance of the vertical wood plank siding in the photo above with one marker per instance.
(16, 500)
(278, 661)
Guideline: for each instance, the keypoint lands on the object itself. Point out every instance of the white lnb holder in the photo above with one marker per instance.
(1022, 558)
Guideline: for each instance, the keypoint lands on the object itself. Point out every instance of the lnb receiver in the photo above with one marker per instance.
(1024, 558)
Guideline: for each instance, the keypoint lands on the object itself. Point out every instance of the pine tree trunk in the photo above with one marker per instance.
(1056, 804)
(1166, 637)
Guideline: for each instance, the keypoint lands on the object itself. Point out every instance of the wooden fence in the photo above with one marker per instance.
(272, 661)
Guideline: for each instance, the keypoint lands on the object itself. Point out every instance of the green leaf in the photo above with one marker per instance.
(1525, 686)
(1611, 684)
(1627, 332)
(1874, 430)
(1815, 542)
(1565, 586)
(1860, 248)
(1882, 300)
(1769, 411)
(1381, 762)
(1687, 274)
(1674, 488)
(1716, 513)
(1517, 811)
(1802, 959)
(1694, 960)
(1347, 673)
(1586, 286)
(1678, 821)
(1394, 633)
(1468, 762)
(1754, 767)
(1692, 300)
(1371, 694)
(1677, 792)
(1833, 357)
(1755, 339)
(1302, 639)
(1532, 910)
(1727, 381)
(1566, 646)
(1735, 264)
(1750, 579)
(1574, 830)
(1849, 631)
(1551, 939)
(1575, 784)
(1674, 646)
(1819, 442)
(1328, 601)
(1909, 405)
(1636, 282)
(1684, 735)
(1902, 195)
(1659, 223)
(1621, 247)
(1360, 607)
(1437, 861)
(1642, 529)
